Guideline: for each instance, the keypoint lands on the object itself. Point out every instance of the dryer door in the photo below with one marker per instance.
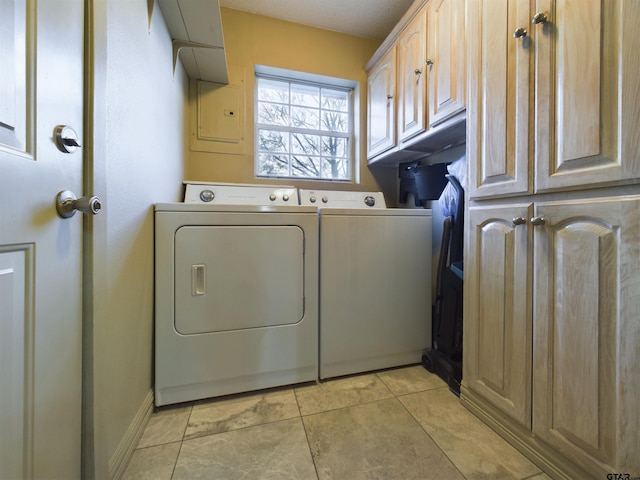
(238, 277)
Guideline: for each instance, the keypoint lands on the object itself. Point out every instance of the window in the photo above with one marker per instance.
(304, 129)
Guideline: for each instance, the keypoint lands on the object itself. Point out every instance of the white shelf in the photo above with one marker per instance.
(196, 29)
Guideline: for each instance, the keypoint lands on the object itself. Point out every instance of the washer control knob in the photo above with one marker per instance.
(272, 197)
(207, 196)
(325, 199)
(312, 199)
(285, 197)
(369, 201)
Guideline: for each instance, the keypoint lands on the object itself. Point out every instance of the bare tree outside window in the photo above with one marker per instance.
(303, 130)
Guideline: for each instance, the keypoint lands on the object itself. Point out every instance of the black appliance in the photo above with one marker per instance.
(445, 357)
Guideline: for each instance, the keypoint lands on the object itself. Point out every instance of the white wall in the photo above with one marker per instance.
(140, 152)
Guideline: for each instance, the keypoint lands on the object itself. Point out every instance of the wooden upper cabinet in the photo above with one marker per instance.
(584, 124)
(381, 128)
(498, 113)
(446, 62)
(430, 89)
(412, 78)
(558, 102)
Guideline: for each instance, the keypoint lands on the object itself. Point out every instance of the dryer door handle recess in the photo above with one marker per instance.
(198, 280)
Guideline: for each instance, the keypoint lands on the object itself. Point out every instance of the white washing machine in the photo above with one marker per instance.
(375, 282)
(236, 292)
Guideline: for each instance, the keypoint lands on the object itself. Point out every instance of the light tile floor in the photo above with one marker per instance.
(395, 424)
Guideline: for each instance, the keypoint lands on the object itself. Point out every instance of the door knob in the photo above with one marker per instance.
(537, 220)
(518, 221)
(67, 204)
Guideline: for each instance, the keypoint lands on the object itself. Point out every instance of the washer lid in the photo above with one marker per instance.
(342, 199)
(239, 194)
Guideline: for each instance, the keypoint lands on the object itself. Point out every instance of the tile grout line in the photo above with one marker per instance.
(175, 464)
(306, 434)
(424, 430)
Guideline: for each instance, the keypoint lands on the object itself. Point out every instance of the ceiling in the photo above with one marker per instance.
(362, 18)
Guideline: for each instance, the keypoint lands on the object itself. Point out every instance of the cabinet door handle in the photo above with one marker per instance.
(520, 33)
(540, 18)
(417, 71)
(389, 97)
(537, 221)
(518, 221)
(429, 62)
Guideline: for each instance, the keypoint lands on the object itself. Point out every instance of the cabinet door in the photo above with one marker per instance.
(498, 113)
(587, 93)
(445, 66)
(497, 336)
(411, 78)
(586, 332)
(381, 128)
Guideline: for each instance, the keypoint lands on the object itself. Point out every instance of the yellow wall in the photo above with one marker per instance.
(255, 39)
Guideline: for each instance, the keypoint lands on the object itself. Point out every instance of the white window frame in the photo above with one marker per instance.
(300, 78)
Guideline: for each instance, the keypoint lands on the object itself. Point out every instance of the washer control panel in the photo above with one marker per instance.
(341, 199)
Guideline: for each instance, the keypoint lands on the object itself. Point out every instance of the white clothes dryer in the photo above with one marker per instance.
(375, 282)
(236, 292)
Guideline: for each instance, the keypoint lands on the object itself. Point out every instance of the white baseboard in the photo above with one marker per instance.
(121, 457)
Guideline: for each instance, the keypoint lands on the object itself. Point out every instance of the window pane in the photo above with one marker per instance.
(289, 117)
(305, 144)
(335, 122)
(273, 165)
(273, 114)
(336, 169)
(305, 95)
(335, 147)
(305, 166)
(273, 91)
(305, 118)
(272, 141)
(335, 100)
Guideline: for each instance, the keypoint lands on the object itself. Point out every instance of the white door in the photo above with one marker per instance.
(41, 86)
